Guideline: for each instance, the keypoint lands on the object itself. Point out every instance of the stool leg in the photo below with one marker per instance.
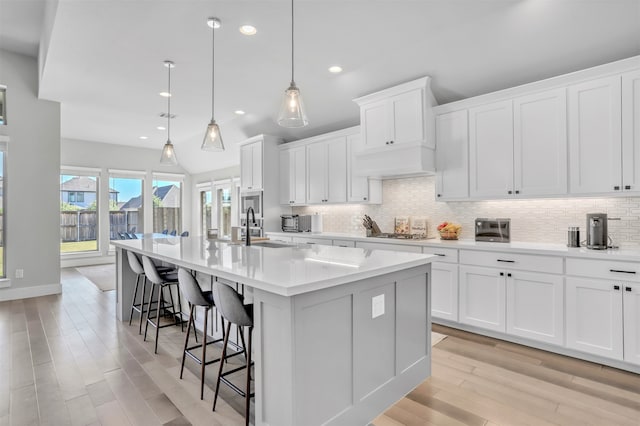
(195, 334)
(133, 301)
(244, 345)
(144, 288)
(204, 353)
(160, 292)
(248, 391)
(146, 325)
(186, 340)
(222, 359)
(180, 311)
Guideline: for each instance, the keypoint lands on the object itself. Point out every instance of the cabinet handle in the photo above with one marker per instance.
(628, 288)
(386, 143)
(439, 254)
(627, 187)
(340, 245)
(616, 188)
(508, 275)
(517, 191)
(439, 195)
(506, 261)
(502, 274)
(620, 271)
(509, 192)
(364, 198)
(309, 242)
(391, 142)
(616, 287)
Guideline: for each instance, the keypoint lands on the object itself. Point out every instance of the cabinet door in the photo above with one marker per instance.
(452, 159)
(595, 136)
(631, 301)
(535, 306)
(357, 185)
(407, 119)
(491, 150)
(444, 291)
(374, 119)
(256, 163)
(594, 316)
(631, 131)
(540, 143)
(246, 166)
(482, 297)
(316, 172)
(298, 175)
(336, 170)
(285, 163)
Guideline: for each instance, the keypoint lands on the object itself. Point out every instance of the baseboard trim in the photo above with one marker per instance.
(14, 293)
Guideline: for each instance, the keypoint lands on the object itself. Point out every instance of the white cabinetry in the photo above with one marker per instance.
(444, 291)
(631, 307)
(360, 188)
(482, 297)
(452, 158)
(595, 150)
(293, 172)
(631, 131)
(388, 246)
(327, 171)
(251, 166)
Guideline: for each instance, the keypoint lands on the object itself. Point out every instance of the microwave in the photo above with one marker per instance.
(493, 230)
(251, 199)
(295, 223)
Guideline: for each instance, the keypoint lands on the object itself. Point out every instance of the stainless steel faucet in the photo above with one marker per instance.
(247, 234)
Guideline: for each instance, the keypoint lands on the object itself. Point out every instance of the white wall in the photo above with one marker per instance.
(32, 240)
(104, 156)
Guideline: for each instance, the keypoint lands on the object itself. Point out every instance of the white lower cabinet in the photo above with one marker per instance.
(444, 291)
(482, 297)
(631, 307)
(594, 316)
(309, 240)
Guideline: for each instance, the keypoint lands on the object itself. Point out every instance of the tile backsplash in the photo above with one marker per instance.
(537, 220)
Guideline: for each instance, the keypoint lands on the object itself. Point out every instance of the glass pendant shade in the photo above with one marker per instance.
(168, 156)
(212, 138)
(292, 112)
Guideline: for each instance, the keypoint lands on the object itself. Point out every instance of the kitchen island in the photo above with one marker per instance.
(341, 333)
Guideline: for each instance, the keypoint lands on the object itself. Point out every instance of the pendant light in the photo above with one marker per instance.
(168, 156)
(212, 137)
(292, 113)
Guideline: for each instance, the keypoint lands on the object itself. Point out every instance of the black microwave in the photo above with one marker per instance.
(493, 230)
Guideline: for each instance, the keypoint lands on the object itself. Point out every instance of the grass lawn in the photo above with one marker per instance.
(76, 246)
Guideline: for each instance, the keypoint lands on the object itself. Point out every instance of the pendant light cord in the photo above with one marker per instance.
(213, 68)
(292, 80)
(169, 64)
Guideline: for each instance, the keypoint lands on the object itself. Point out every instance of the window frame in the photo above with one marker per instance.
(169, 177)
(127, 174)
(4, 148)
(89, 172)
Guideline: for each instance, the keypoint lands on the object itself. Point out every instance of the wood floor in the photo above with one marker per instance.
(66, 360)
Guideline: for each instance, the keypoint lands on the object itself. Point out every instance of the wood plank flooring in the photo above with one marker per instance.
(66, 360)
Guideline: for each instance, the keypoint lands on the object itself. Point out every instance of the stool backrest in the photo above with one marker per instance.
(134, 263)
(229, 304)
(191, 289)
(150, 270)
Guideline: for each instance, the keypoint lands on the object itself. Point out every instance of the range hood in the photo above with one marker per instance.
(397, 131)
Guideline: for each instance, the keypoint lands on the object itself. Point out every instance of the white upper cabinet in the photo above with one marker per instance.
(595, 149)
(293, 173)
(360, 189)
(491, 150)
(452, 158)
(251, 166)
(631, 131)
(327, 171)
(540, 143)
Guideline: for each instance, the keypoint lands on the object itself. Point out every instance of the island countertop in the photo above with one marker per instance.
(286, 270)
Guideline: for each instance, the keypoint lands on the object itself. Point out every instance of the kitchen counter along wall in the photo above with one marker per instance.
(533, 220)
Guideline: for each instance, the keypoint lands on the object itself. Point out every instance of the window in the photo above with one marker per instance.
(167, 203)
(78, 211)
(205, 210)
(126, 204)
(224, 212)
(3, 150)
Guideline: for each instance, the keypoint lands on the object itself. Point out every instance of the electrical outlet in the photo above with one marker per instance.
(377, 306)
(19, 273)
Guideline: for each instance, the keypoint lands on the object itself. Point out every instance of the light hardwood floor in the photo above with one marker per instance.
(66, 360)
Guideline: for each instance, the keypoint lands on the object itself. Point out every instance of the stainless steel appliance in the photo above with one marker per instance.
(493, 230)
(597, 232)
(573, 236)
(251, 199)
(295, 223)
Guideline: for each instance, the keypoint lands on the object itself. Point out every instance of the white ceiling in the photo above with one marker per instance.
(104, 61)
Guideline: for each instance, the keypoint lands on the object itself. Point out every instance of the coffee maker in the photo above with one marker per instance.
(597, 234)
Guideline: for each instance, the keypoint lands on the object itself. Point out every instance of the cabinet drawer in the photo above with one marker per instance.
(393, 247)
(625, 271)
(526, 262)
(304, 240)
(447, 255)
(344, 243)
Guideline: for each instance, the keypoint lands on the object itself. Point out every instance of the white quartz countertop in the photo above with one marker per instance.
(512, 247)
(287, 271)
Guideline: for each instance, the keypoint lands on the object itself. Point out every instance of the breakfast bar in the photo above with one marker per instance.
(341, 333)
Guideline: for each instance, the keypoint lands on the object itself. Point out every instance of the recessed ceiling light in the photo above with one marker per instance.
(248, 29)
(165, 94)
(144, 137)
(335, 69)
(214, 23)
(161, 128)
(239, 112)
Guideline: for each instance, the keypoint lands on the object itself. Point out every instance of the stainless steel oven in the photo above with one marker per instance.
(493, 230)
(251, 199)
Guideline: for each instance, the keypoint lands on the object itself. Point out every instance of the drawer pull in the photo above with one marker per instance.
(509, 274)
(627, 288)
(506, 261)
(502, 274)
(439, 254)
(616, 287)
(620, 271)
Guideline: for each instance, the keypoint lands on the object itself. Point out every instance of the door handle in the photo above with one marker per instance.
(616, 287)
(628, 288)
(506, 261)
(620, 271)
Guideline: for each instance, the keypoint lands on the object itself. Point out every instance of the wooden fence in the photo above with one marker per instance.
(82, 225)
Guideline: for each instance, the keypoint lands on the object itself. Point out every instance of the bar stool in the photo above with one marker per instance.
(160, 281)
(229, 304)
(197, 297)
(136, 267)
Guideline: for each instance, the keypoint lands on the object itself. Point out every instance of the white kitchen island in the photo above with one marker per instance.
(341, 333)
